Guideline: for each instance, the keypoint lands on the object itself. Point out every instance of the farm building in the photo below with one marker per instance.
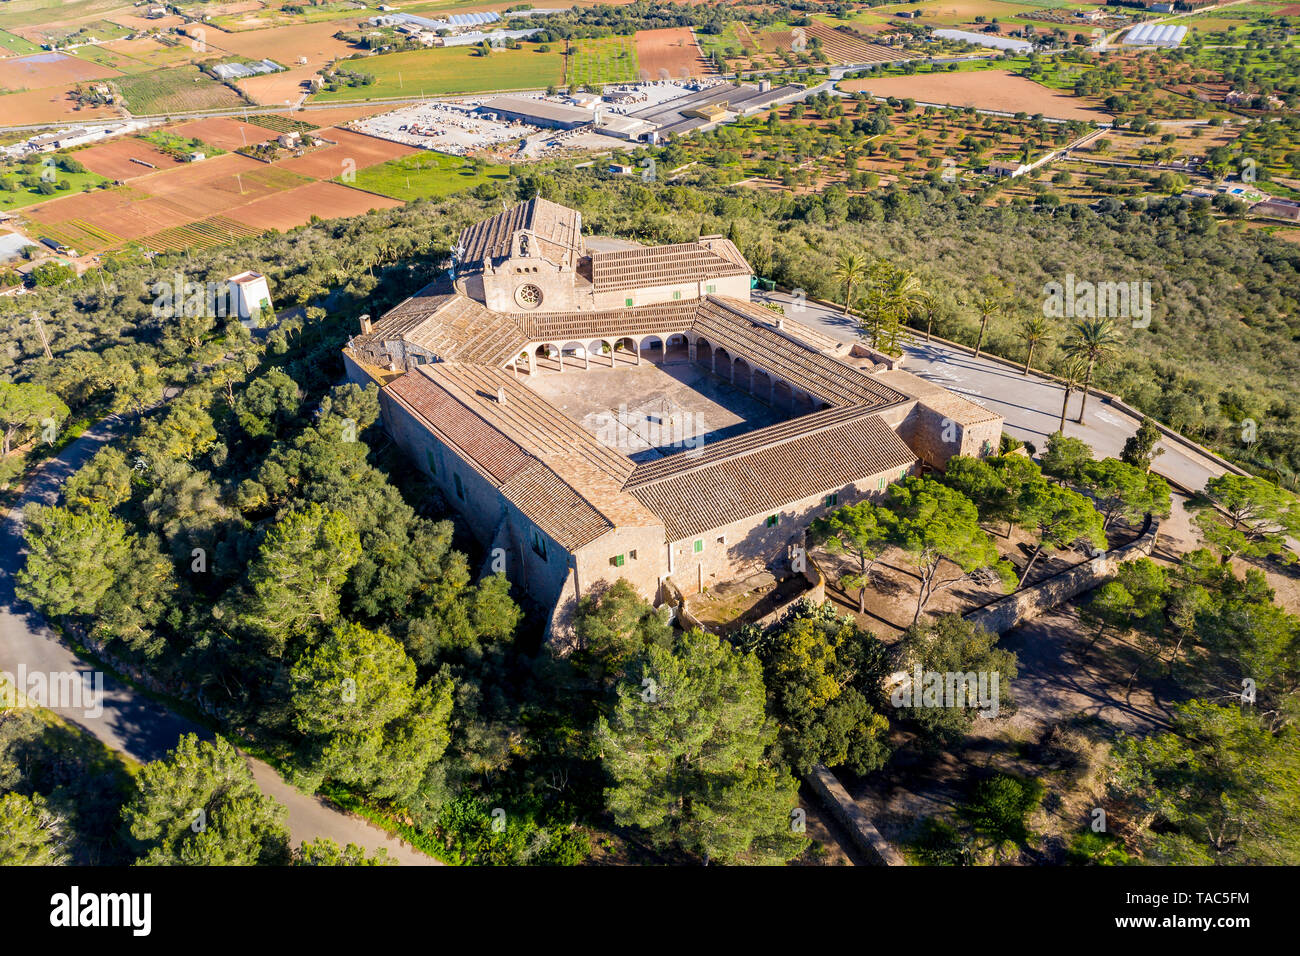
(1010, 168)
(1155, 34)
(1277, 209)
(625, 411)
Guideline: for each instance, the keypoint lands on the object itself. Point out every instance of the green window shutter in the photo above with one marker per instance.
(617, 560)
(699, 546)
(628, 302)
(772, 520)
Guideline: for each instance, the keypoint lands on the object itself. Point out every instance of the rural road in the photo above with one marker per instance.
(1029, 404)
(131, 722)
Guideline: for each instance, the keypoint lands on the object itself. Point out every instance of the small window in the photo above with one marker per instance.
(722, 539)
(617, 560)
(698, 547)
(773, 520)
(710, 288)
(632, 554)
(831, 500)
(882, 482)
(677, 294)
(460, 487)
(628, 302)
(537, 542)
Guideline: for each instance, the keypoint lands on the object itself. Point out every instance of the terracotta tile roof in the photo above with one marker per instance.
(554, 471)
(458, 427)
(555, 507)
(748, 330)
(639, 320)
(448, 325)
(949, 404)
(558, 229)
(762, 477)
(662, 265)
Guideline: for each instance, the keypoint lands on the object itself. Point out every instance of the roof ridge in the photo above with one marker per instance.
(748, 443)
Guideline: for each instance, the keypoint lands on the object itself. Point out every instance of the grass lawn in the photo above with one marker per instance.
(427, 175)
(450, 70)
(26, 196)
(16, 44)
(606, 60)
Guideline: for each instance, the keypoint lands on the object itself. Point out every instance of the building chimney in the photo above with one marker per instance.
(366, 324)
(501, 394)
(780, 322)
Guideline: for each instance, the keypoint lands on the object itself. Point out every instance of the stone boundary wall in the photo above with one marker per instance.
(861, 830)
(1026, 604)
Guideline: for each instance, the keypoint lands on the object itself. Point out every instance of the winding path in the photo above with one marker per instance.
(131, 722)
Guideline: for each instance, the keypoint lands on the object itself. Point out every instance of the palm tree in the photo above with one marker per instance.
(849, 271)
(1034, 331)
(990, 301)
(903, 296)
(1072, 378)
(1091, 341)
(932, 308)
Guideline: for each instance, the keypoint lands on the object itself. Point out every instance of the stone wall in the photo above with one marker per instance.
(749, 545)
(1026, 604)
(861, 830)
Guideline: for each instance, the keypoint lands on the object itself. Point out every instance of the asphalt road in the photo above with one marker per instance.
(131, 722)
(1029, 404)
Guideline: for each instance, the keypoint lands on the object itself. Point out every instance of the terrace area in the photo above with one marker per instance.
(649, 411)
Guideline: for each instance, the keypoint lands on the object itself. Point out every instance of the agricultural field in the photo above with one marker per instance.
(669, 53)
(942, 13)
(1274, 147)
(43, 70)
(600, 61)
(166, 203)
(178, 90)
(314, 42)
(138, 56)
(26, 185)
(124, 158)
(52, 105)
(352, 152)
(998, 90)
(13, 43)
(426, 175)
(805, 149)
(225, 132)
(450, 70)
(30, 16)
(1145, 84)
(315, 200)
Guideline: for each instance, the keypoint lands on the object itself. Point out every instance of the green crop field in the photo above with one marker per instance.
(181, 89)
(16, 44)
(425, 176)
(606, 60)
(450, 70)
(15, 195)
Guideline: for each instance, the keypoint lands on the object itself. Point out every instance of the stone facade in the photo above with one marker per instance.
(564, 514)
